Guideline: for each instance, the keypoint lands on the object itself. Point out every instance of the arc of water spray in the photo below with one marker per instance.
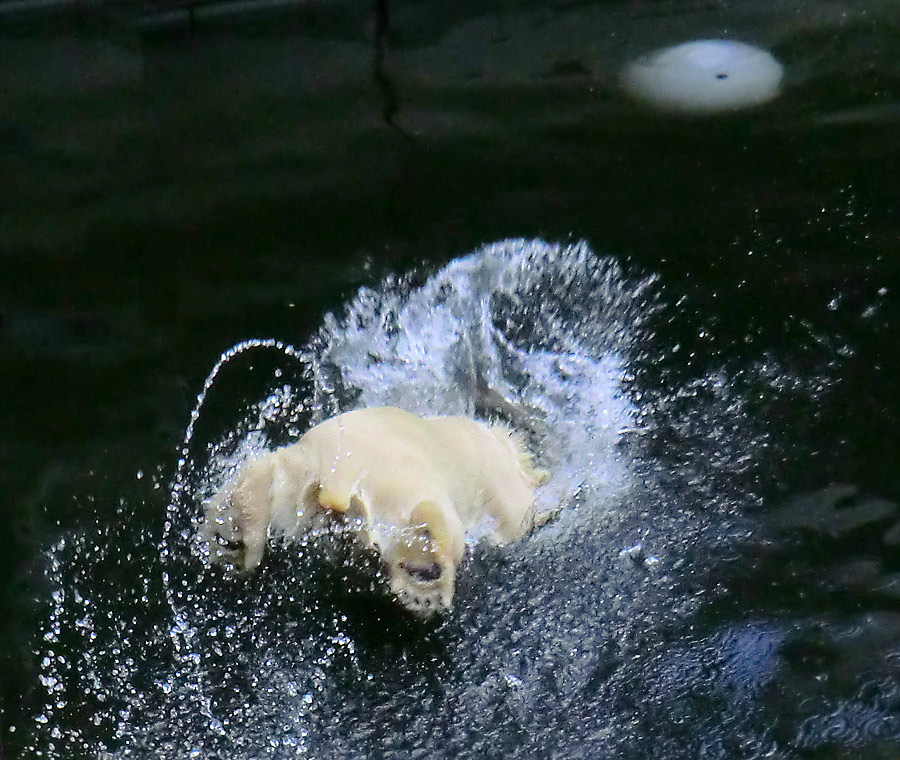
(181, 632)
(236, 350)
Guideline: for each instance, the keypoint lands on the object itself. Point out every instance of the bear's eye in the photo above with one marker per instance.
(231, 545)
(423, 573)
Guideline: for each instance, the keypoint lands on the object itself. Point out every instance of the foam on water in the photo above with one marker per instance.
(587, 639)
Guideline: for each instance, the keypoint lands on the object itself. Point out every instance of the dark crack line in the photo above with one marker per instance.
(390, 101)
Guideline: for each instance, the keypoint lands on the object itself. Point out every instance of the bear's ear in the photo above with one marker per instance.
(444, 527)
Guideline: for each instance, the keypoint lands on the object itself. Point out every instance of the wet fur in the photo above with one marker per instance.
(415, 485)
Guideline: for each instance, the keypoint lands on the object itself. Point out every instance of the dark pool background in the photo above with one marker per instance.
(177, 181)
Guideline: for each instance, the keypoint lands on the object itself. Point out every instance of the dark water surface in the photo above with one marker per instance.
(177, 183)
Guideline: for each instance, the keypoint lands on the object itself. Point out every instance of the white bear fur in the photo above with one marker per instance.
(417, 486)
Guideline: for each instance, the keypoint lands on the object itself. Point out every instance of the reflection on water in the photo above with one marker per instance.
(659, 616)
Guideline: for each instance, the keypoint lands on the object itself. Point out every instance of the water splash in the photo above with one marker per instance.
(588, 639)
(533, 333)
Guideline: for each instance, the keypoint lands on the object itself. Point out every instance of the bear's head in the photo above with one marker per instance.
(422, 557)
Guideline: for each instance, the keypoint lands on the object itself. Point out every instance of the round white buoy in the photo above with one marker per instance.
(704, 76)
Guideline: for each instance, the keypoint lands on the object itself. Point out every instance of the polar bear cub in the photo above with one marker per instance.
(416, 485)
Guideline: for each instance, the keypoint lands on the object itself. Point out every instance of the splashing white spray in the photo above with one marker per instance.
(550, 649)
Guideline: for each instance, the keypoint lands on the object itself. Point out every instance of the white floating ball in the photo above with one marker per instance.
(704, 76)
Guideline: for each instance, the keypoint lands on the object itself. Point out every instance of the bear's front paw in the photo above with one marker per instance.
(237, 518)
